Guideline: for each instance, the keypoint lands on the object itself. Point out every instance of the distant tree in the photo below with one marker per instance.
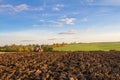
(20, 49)
(47, 48)
(24, 48)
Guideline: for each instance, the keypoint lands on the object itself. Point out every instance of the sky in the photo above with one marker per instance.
(57, 21)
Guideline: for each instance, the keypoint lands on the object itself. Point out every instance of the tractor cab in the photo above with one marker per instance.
(38, 49)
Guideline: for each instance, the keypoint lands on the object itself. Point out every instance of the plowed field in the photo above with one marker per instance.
(93, 65)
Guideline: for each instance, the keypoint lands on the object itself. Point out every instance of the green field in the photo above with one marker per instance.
(90, 47)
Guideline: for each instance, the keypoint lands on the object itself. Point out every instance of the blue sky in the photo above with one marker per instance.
(56, 21)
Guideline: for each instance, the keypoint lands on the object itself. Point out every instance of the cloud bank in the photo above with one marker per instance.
(69, 32)
(20, 7)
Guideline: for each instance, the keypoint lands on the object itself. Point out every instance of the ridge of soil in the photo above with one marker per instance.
(89, 65)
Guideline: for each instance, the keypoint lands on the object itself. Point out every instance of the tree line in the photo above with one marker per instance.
(29, 48)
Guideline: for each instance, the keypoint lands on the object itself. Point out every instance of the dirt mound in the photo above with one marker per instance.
(96, 65)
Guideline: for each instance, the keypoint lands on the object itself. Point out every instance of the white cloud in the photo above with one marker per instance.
(37, 9)
(21, 7)
(58, 7)
(17, 8)
(69, 32)
(6, 6)
(68, 20)
(61, 22)
(56, 23)
(42, 20)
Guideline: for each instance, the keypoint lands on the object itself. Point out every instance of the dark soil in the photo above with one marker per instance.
(94, 65)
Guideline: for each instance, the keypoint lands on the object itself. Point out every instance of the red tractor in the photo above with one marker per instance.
(38, 49)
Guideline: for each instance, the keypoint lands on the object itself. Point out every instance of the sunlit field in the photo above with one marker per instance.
(90, 47)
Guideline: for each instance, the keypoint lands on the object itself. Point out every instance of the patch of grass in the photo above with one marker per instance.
(90, 47)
